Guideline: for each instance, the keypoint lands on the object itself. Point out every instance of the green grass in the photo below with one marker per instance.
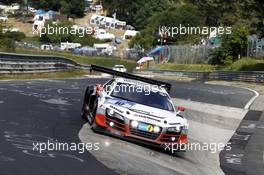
(244, 64)
(61, 74)
(103, 61)
(186, 67)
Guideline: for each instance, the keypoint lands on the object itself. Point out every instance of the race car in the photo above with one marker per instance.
(134, 108)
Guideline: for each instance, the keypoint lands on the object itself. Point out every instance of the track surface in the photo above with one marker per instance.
(50, 109)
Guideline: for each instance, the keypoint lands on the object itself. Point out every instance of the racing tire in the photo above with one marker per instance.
(89, 105)
(86, 101)
(93, 112)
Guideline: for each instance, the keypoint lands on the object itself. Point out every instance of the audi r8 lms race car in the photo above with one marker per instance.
(134, 108)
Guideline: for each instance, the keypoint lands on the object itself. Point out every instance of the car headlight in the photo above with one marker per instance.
(156, 129)
(186, 126)
(134, 123)
(185, 129)
(110, 112)
(178, 128)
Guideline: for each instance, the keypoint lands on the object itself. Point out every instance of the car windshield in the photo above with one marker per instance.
(119, 66)
(142, 95)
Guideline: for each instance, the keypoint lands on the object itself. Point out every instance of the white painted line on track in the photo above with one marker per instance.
(250, 102)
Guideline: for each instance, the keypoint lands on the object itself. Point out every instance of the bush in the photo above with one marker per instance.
(16, 36)
(64, 37)
(219, 56)
(8, 39)
(7, 44)
(247, 64)
(233, 46)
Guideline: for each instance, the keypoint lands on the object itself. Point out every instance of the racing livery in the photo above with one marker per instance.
(135, 108)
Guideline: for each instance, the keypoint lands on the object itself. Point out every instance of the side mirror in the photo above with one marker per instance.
(181, 108)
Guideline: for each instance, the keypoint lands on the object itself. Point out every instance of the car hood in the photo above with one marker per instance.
(142, 109)
(156, 112)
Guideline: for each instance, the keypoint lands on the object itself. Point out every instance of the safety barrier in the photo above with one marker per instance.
(23, 63)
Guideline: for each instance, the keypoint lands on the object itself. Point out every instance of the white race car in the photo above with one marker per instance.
(135, 108)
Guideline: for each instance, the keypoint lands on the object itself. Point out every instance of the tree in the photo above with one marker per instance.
(8, 39)
(67, 7)
(135, 12)
(233, 46)
(180, 15)
(260, 5)
(72, 8)
(45, 4)
(229, 13)
(62, 36)
(8, 2)
(66, 34)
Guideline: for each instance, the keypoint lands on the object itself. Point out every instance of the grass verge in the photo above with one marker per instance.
(187, 67)
(244, 64)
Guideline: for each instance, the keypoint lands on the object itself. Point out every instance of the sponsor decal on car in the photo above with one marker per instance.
(119, 102)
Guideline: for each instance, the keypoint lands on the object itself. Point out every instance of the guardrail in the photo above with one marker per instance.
(252, 76)
(30, 58)
(23, 63)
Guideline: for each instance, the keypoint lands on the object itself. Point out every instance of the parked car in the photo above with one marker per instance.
(120, 68)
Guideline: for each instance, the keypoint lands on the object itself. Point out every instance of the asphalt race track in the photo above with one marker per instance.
(40, 110)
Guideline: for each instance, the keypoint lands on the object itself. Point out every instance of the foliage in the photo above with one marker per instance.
(246, 17)
(64, 36)
(246, 64)
(45, 4)
(184, 15)
(70, 8)
(53, 37)
(8, 2)
(16, 36)
(233, 46)
(135, 12)
(8, 39)
(228, 13)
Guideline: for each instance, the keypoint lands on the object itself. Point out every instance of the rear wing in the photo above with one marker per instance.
(110, 71)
